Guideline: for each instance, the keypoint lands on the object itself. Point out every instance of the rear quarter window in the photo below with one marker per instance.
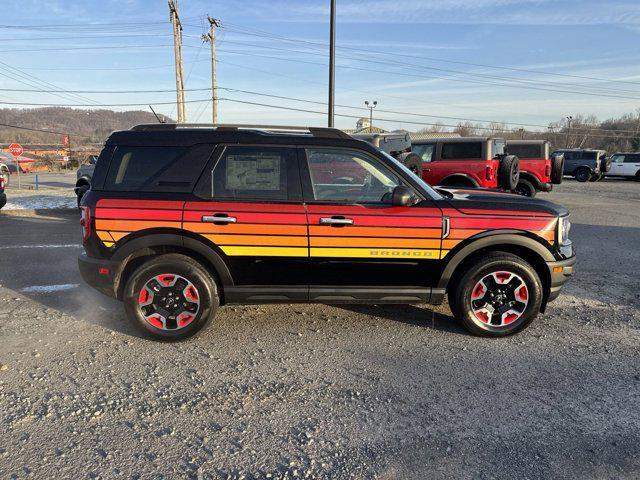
(526, 151)
(467, 150)
(156, 169)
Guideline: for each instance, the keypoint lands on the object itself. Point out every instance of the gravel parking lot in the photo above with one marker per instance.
(323, 392)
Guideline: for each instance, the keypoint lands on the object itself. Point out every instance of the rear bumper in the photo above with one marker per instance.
(3, 199)
(546, 186)
(99, 273)
(560, 271)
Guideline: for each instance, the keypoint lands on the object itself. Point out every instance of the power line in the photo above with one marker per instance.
(41, 130)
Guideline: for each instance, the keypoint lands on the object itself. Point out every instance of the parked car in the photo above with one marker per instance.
(3, 196)
(625, 164)
(5, 174)
(180, 220)
(83, 178)
(395, 144)
(468, 162)
(538, 171)
(585, 164)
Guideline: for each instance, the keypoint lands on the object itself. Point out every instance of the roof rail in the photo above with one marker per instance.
(320, 132)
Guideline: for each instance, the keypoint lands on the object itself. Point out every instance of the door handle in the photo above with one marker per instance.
(337, 221)
(220, 218)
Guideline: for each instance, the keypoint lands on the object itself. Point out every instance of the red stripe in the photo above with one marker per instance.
(496, 223)
(371, 210)
(389, 221)
(281, 218)
(126, 203)
(138, 214)
(245, 207)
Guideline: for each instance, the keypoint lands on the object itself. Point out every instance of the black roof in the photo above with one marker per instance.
(186, 135)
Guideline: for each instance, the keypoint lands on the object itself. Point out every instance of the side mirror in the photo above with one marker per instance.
(402, 197)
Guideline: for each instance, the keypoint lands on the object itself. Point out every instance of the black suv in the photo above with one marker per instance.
(182, 219)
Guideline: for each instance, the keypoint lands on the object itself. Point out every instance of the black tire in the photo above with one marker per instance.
(509, 172)
(460, 295)
(412, 161)
(525, 188)
(557, 169)
(637, 177)
(582, 174)
(80, 193)
(177, 265)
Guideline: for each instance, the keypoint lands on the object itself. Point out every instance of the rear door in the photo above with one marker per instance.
(361, 247)
(631, 164)
(252, 215)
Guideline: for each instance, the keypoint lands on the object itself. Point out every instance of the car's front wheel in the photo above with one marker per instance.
(525, 188)
(170, 297)
(583, 175)
(498, 295)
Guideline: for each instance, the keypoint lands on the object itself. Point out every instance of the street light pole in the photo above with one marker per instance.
(569, 118)
(332, 61)
(371, 107)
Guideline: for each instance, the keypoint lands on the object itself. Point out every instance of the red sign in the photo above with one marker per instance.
(65, 141)
(15, 149)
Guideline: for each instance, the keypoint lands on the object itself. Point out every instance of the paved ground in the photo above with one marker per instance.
(323, 392)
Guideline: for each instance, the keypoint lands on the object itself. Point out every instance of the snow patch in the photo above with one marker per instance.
(49, 288)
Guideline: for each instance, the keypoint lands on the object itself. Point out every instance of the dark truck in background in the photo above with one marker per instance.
(585, 164)
(539, 170)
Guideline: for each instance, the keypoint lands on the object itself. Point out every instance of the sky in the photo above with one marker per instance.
(524, 62)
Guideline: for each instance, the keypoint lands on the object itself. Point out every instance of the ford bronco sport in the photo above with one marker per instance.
(469, 162)
(182, 219)
(538, 172)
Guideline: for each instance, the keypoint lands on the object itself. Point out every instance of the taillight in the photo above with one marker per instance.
(489, 172)
(547, 170)
(1, 182)
(85, 223)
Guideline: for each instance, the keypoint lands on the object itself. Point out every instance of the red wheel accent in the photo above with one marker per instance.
(169, 302)
(499, 298)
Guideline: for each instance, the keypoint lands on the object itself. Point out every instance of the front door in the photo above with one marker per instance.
(252, 215)
(361, 247)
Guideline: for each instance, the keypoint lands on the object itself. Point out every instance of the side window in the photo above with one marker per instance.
(156, 169)
(618, 159)
(253, 173)
(424, 151)
(589, 155)
(570, 156)
(632, 158)
(526, 150)
(463, 150)
(340, 175)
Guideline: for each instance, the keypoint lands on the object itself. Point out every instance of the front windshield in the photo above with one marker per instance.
(432, 193)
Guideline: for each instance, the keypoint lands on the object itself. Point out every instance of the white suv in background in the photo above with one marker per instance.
(625, 165)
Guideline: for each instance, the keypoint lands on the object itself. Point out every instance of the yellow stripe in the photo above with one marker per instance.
(443, 253)
(266, 251)
(108, 244)
(382, 253)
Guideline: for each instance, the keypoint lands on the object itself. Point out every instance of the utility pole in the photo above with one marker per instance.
(211, 37)
(569, 118)
(177, 50)
(332, 61)
(371, 107)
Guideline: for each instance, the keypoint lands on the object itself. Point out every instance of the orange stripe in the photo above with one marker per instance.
(375, 232)
(374, 242)
(261, 240)
(131, 225)
(449, 244)
(457, 233)
(119, 235)
(104, 236)
(246, 228)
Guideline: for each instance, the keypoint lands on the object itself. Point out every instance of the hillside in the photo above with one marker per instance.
(97, 124)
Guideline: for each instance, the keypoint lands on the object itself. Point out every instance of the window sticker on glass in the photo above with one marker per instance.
(251, 172)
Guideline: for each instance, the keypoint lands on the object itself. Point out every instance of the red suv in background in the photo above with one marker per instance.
(538, 172)
(464, 162)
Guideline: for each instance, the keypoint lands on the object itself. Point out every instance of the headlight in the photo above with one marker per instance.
(564, 225)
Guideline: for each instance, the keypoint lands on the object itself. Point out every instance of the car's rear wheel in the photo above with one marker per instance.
(525, 188)
(170, 297)
(582, 175)
(509, 172)
(557, 169)
(412, 161)
(498, 295)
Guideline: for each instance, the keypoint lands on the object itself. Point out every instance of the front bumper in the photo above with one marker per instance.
(3, 199)
(99, 273)
(560, 271)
